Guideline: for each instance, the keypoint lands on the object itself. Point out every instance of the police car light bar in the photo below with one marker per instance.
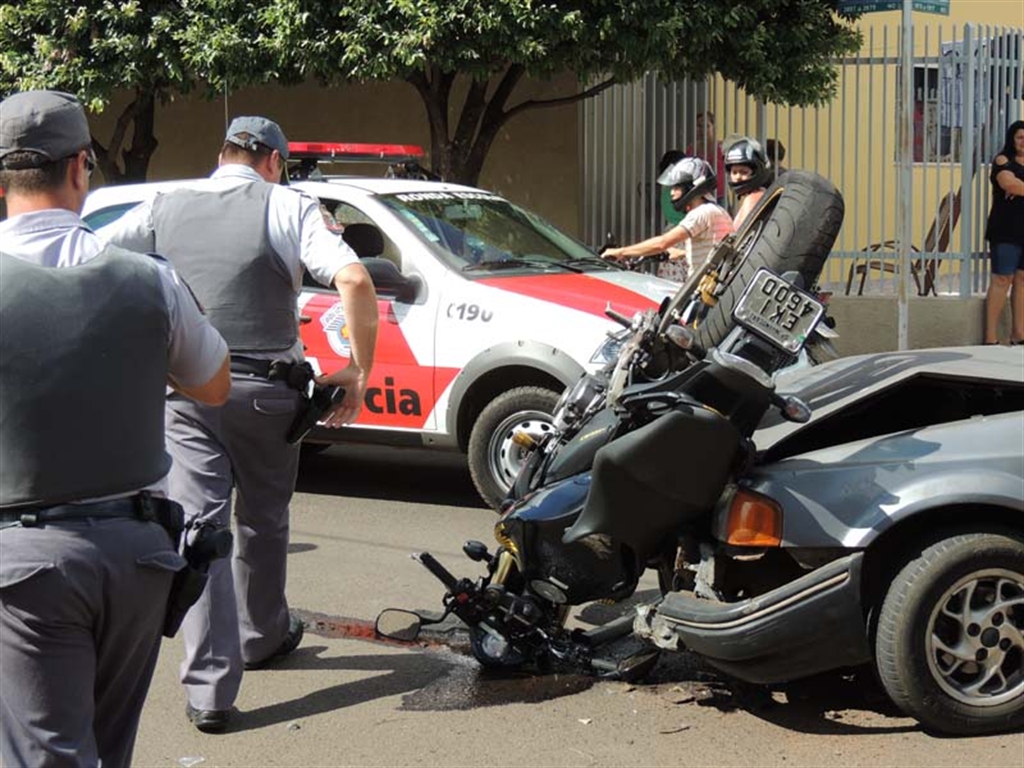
(353, 153)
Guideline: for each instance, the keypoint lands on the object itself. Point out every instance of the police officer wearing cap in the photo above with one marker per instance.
(90, 338)
(242, 242)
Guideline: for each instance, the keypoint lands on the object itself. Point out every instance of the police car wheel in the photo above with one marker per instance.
(494, 457)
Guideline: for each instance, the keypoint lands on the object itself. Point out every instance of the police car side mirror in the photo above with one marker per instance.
(388, 280)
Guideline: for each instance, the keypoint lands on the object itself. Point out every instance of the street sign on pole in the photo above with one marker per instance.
(871, 6)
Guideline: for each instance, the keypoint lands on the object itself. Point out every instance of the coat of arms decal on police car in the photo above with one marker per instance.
(336, 330)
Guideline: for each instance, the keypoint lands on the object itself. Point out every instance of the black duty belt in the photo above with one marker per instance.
(142, 506)
(250, 366)
(295, 375)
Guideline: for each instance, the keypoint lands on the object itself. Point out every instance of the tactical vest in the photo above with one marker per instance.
(217, 241)
(83, 375)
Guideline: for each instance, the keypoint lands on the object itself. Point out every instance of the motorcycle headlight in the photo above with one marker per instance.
(609, 349)
(492, 644)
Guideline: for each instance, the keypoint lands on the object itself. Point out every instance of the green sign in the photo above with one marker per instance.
(870, 6)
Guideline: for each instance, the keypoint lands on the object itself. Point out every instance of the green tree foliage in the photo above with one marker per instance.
(152, 49)
(92, 49)
(778, 50)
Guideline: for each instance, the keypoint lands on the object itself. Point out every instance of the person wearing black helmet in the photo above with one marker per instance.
(750, 172)
(692, 186)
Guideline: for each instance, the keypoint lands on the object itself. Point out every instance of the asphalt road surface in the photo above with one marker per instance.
(343, 699)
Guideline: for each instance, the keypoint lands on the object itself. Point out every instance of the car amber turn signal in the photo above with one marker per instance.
(753, 521)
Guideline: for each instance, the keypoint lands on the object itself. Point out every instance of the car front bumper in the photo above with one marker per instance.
(812, 624)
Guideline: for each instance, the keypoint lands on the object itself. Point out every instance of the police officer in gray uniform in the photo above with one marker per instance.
(241, 242)
(86, 354)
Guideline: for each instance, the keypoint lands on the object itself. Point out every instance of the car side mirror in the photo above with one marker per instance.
(388, 280)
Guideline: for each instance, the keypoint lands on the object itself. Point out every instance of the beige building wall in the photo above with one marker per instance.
(533, 161)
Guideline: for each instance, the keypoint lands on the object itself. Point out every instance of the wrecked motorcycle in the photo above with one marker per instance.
(642, 453)
(882, 528)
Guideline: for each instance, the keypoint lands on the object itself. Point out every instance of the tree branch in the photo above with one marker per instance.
(511, 79)
(493, 118)
(495, 115)
(540, 103)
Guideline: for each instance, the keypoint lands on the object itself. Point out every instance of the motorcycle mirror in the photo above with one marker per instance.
(396, 624)
(476, 550)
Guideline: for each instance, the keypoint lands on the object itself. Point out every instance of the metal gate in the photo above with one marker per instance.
(854, 140)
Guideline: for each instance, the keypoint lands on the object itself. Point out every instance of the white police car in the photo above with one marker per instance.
(487, 312)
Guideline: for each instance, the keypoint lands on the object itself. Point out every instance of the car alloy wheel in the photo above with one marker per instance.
(975, 638)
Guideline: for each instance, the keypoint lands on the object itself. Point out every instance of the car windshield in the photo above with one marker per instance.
(477, 232)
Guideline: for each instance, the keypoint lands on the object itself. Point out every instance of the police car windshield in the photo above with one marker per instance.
(479, 232)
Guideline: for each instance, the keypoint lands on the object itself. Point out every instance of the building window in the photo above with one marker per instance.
(935, 139)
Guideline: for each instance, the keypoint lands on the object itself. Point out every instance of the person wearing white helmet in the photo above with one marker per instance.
(692, 186)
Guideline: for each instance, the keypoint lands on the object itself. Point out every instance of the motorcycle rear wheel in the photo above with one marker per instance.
(793, 228)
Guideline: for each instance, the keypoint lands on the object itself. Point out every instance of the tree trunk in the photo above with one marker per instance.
(460, 159)
(136, 158)
(139, 115)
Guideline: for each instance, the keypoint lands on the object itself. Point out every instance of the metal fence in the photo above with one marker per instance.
(854, 140)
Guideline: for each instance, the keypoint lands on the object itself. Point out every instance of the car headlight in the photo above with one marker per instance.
(608, 350)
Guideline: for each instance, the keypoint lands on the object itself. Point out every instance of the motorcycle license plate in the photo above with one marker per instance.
(778, 311)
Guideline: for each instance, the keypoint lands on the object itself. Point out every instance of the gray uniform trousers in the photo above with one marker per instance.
(242, 614)
(81, 614)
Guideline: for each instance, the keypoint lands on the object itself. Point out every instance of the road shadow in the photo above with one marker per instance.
(395, 474)
(399, 673)
(837, 703)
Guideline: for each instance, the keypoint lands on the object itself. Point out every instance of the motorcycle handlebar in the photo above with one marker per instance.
(618, 317)
(440, 572)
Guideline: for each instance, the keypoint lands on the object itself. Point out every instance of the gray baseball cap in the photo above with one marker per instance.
(261, 131)
(49, 123)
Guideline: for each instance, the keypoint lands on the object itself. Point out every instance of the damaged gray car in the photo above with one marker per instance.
(901, 543)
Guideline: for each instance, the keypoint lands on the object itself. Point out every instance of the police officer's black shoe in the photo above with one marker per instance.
(208, 720)
(291, 641)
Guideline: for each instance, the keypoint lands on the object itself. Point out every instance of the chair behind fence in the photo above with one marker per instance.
(927, 259)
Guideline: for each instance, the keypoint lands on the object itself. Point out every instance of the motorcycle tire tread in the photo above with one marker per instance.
(802, 225)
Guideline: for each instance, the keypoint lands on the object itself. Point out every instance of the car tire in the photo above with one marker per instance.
(793, 228)
(929, 652)
(494, 460)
